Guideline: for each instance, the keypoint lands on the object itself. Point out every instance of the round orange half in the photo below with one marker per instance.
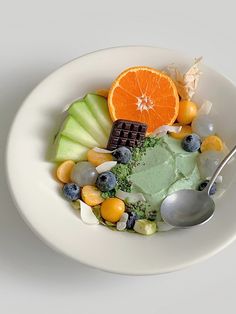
(146, 95)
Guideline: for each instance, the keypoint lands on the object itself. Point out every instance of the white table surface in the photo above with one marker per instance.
(35, 38)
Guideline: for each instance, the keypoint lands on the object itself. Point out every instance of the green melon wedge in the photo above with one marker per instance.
(81, 112)
(74, 131)
(66, 149)
(98, 106)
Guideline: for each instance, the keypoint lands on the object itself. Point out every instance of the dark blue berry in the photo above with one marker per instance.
(131, 220)
(122, 155)
(71, 191)
(191, 143)
(203, 185)
(106, 181)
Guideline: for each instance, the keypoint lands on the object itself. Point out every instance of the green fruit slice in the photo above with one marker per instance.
(74, 131)
(66, 149)
(98, 106)
(81, 112)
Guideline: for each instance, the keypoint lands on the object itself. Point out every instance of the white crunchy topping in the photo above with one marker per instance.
(205, 108)
(186, 83)
(121, 224)
(162, 130)
(106, 166)
(102, 150)
(87, 214)
(124, 217)
(130, 197)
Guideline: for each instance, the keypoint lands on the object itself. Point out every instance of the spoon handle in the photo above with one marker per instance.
(219, 168)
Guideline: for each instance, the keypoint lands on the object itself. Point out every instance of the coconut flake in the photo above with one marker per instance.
(121, 225)
(186, 83)
(102, 150)
(106, 166)
(87, 214)
(162, 130)
(205, 108)
(124, 217)
(130, 197)
(163, 226)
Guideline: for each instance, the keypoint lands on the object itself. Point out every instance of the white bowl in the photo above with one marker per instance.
(37, 195)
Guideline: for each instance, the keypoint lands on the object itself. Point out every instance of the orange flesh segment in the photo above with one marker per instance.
(146, 95)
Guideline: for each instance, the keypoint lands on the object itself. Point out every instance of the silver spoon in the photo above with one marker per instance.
(188, 208)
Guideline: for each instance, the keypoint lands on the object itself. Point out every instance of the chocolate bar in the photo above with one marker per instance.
(126, 133)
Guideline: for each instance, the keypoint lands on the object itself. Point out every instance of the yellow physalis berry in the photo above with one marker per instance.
(187, 111)
(91, 195)
(212, 142)
(98, 158)
(112, 209)
(64, 171)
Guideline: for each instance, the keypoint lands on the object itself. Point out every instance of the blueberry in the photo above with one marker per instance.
(131, 220)
(203, 185)
(122, 155)
(191, 143)
(71, 191)
(106, 181)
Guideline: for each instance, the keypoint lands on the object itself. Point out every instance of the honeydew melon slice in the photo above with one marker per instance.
(66, 149)
(98, 106)
(81, 112)
(74, 131)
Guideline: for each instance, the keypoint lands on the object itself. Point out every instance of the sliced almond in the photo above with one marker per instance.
(103, 150)
(205, 108)
(130, 197)
(106, 166)
(87, 215)
(162, 130)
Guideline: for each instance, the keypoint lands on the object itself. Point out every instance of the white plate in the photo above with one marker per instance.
(37, 195)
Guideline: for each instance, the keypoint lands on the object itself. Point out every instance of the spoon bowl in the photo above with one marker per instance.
(187, 208)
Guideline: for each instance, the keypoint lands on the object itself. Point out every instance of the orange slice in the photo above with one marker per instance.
(146, 95)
